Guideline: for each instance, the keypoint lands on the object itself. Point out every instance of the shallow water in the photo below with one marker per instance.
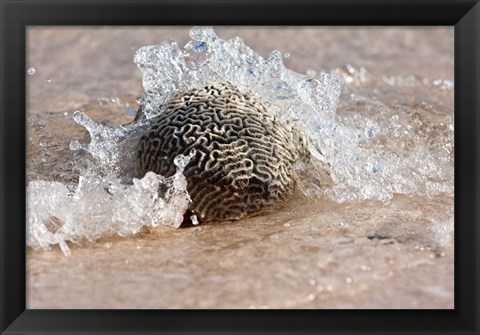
(317, 252)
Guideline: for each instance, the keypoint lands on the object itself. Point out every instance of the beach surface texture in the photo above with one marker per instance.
(314, 252)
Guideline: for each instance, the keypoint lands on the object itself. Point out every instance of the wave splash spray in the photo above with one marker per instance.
(363, 165)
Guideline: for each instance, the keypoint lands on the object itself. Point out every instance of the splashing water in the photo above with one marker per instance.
(57, 215)
(362, 163)
(390, 150)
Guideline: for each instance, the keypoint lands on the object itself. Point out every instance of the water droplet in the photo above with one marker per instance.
(31, 71)
(311, 296)
(194, 219)
(348, 280)
(108, 245)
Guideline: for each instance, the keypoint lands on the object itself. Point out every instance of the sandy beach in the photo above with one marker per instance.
(311, 253)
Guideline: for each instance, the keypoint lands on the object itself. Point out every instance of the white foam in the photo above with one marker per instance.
(103, 206)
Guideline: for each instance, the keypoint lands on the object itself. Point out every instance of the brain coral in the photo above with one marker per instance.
(244, 154)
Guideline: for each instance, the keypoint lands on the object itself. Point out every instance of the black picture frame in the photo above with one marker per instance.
(16, 15)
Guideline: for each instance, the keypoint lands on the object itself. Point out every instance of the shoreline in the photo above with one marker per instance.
(312, 253)
(380, 259)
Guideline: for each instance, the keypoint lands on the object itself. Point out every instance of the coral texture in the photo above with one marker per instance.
(244, 155)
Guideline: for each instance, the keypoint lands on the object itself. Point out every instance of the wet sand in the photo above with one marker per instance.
(313, 253)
